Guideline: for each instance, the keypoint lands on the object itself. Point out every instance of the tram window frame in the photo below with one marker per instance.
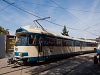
(59, 42)
(77, 43)
(32, 38)
(69, 42)
(64, 43)
(50, 41)
(94, 45)
(84, 44)
(89, 44)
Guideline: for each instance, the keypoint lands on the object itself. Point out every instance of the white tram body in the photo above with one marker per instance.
(34, 44)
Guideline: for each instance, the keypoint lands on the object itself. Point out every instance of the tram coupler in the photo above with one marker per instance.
(11, 61)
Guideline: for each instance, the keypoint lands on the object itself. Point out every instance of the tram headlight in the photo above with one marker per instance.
(20, 54)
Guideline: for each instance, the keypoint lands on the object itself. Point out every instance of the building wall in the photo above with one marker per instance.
(2, 45)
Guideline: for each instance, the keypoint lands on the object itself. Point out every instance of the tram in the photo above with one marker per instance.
(35, 44)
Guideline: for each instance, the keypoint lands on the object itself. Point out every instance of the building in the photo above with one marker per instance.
(2, 45)
(6, 44)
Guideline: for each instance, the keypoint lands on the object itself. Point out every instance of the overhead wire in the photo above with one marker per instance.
(92, 26)
(63, 26)
(37, 16)
(59, 7)
(50, 21)
(53, 22)
(93, 33)
(21, 9)
(56, 7)
(69, 12)
(6, 7)
(94, 30)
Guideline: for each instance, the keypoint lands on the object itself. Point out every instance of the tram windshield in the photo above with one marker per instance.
(22, 40)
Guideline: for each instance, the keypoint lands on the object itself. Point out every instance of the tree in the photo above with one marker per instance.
(64, 31)
(3, 31)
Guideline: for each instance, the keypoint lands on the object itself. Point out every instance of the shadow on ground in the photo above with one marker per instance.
(80, 65)
(76, 66)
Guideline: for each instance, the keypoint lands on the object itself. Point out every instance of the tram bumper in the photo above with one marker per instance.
(17, 61)
(19, 58)
(21, 54)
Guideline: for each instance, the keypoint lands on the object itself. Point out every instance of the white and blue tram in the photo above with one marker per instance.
(35, 44)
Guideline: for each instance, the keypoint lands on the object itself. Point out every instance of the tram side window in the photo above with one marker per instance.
(84, 44)
(32, 39)
(69, 43)
(64, 43)
(47, 41)
(50, 41)
(77, 43)
(95, 45)
(91, 45)
(59, 42)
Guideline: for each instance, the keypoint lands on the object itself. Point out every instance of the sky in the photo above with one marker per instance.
(81, 17)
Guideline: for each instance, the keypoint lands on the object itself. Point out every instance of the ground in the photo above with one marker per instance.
(82, 64)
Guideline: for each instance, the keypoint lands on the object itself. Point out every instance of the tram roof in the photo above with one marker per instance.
(35, 29)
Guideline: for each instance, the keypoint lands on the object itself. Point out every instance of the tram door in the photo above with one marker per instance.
(40, 50)
(81, 46)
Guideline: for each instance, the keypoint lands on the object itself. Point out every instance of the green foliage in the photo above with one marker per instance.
(3, 31)
(64, 31)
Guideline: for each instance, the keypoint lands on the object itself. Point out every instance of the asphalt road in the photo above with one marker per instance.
(77, 65)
